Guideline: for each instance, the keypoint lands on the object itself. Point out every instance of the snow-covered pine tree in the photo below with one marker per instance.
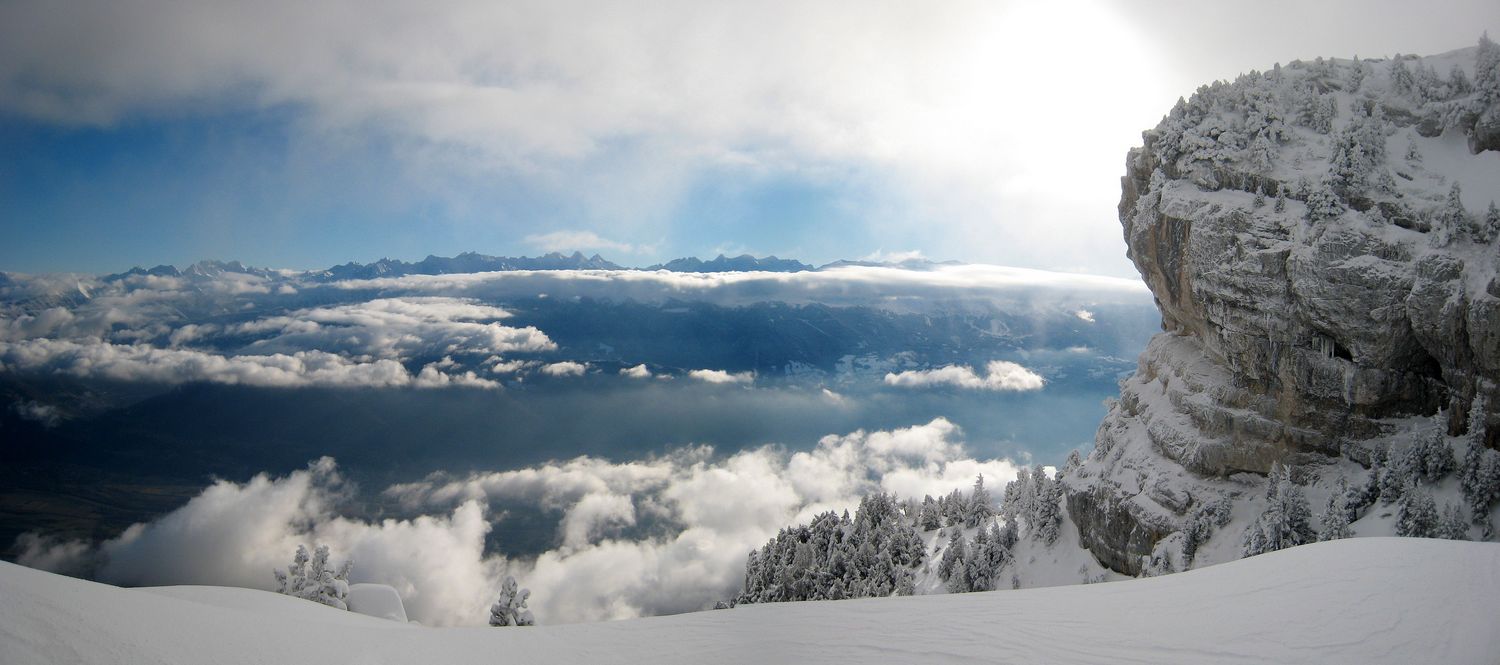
(1280, 199)
(1413, 153)
(953, 557)
(998, 554)
(1487, 71)
(1394, 474)
(1046, 520)
(1479, 475)
(1335, 522)
(1348, 164)
(1402, 82)
(979, 573)
(1418, 515)
(981, 507)
(1322, 202)
(325, 584)
(1010, 503)
(1490, 228)
(1286, 520)
(312, 578)
(1073, 461)
(1429, 457)
(1451, 221)
(291, 581)
(1427, 87)
(1356, 75)
(1458, 81)
(955, 510)
(510, 608)
(1453, 525)
(931, 517)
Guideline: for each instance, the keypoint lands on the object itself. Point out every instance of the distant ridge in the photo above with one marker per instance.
(741, 263)
(472, 262)
(466, 262)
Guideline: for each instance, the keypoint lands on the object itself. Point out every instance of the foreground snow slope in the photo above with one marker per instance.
(1358, 601)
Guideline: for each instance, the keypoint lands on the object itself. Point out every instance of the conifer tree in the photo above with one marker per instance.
(1075, 459)
(1394, 476)
(981, 507)
(1490, 229)
(1453, 525)
(1323, 203)
(1459, 81)
(979, 573)
(931, 516)
(1335, 522)
(1418, 515)
(1286, 520)
(510, 608)
(1487, 71)
(1402, 82)
(1356, 75)
(312, 578)
(953, 558)
(1046, 523)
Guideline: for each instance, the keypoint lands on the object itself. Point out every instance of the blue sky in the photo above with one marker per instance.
(292, 135)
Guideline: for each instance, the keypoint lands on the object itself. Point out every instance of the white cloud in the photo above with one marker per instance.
(588, 518)
(499, 365)
(980, 286)
(45, 414)
(396, 328)
(638, 372)
(132, 362)
(709, 512)
(629, 105)
(721, 376)
(1084, 315)
(442, 375)
(565, 368)
(1001, 375)
(586, 241)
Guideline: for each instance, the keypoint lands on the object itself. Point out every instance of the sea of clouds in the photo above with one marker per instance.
(283, 329)
(709, 512)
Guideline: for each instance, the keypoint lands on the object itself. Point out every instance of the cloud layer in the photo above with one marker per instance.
(288, 329)
(140, 335)
(617, 112)
(999, 375)
(704, 512)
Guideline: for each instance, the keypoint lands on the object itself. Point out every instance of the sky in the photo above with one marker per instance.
(301, 135)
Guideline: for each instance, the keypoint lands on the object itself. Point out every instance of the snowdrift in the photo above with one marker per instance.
(1365, 600)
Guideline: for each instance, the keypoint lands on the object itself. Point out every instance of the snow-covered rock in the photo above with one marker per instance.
(376, 600)
(1374, 600)
(1322, 242)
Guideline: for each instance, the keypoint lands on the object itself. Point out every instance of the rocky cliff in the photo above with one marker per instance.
(1321, 240)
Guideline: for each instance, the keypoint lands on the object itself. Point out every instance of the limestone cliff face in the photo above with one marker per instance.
(1318, 242)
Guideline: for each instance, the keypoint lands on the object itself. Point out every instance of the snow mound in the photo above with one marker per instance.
(1360, 600)
(376, 600)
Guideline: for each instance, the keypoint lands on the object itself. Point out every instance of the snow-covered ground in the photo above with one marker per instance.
(1362, 600)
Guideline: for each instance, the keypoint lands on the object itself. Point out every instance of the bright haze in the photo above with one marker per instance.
(297, 135)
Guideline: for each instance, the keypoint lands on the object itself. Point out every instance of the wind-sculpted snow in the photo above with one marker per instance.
(655, 536)
(1376, 600)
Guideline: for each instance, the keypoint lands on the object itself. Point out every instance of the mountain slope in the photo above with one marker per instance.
(1352, 601)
